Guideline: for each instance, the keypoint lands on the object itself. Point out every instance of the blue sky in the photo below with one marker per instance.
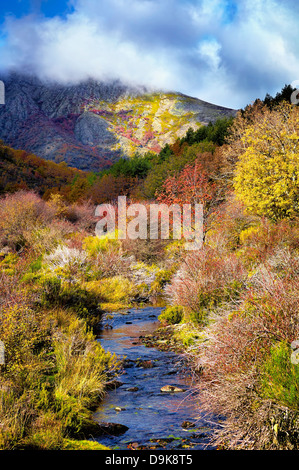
(20, 8)
(223, 51)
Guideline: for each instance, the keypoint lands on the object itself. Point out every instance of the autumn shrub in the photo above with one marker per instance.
(45, 239)
(82, 216)
(26, 341)
(192, 185)
(266, 239)
(55, 370)
(58, 205)
(106, 256)
(20, 213)
(110, 263)
(227, 224)
(147, 251)
(247, 372)
(82, 369)
(27, 347)
(52, 402)
(95, 245)
(9, 263)
(204, 281)
(69, 263)
(163, 277)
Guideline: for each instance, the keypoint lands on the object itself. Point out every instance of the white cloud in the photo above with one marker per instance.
(197, 47)
(209, 50)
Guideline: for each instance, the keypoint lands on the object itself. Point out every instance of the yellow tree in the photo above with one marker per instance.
(267, 169)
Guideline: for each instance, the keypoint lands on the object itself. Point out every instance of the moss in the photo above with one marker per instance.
(8, 264)
(71, 444)
(279, 378)
(188, 335)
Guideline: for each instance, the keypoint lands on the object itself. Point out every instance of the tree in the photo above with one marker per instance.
(109, 187)
(267, 171)
(191, 185)
(283, 95)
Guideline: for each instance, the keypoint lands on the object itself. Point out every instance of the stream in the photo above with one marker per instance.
(154, 418)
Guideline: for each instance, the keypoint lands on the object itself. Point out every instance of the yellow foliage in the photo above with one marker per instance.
(94, 245)
(21, 330)
(267, 173)
(116, 289)
(248, 233)
(57, 203)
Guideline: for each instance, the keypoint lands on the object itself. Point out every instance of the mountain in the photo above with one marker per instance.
(92, 124)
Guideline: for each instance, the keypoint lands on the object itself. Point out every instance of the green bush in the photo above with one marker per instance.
(69, 295)
(117, 289)
(280, 378)
(172, 315)
(163, 276)
(207, 301)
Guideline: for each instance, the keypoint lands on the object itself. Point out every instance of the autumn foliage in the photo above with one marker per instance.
(267, 169)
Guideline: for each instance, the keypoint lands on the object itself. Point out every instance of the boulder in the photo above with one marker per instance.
(114, 429)
(145, 364)
(171, 388)
(188, 424)
(113, 384)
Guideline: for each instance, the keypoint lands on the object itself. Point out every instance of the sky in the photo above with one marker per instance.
(227, 52)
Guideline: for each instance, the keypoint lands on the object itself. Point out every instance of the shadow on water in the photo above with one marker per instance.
(154, 418)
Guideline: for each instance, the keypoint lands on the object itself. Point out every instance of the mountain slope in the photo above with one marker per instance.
(21, 170)
(93, 124)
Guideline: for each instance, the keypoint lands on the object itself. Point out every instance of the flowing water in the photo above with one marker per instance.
(154, 418)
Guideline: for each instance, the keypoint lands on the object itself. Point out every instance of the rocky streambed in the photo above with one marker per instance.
(152, 404)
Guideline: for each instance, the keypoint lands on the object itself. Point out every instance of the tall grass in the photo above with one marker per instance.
(55, 370)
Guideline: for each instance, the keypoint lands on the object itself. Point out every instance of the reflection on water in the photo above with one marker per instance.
(148, 413)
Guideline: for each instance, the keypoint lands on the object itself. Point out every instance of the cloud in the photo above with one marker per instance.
(222, 51)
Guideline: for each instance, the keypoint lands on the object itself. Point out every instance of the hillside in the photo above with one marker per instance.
(93, 124)
(21, 170)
